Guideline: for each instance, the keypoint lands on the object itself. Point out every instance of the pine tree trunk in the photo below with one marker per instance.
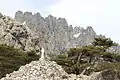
(79, 58)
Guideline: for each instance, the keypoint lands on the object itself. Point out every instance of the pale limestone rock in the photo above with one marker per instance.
(13, 33)
(33, 31)
(54, 34)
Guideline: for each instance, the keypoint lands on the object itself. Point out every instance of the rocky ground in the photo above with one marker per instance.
(38, 70)
(42, 70)
(49, 70)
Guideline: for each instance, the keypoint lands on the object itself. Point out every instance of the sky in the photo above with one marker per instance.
(102, 15)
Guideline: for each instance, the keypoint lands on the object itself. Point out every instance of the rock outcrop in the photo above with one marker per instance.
(54, 34)
(31, 31)
(15, 34)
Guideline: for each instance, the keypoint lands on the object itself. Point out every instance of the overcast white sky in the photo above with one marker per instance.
(102, 15)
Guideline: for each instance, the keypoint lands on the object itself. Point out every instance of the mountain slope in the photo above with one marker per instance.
(54, 34)
(15, 34)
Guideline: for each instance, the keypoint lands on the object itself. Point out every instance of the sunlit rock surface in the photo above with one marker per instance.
(54, 33)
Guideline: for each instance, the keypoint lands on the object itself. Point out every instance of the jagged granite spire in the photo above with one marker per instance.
(54, 34)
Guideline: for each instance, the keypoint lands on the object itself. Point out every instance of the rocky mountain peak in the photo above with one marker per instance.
(55, 33)
(90, 30)
(50, 16)
(20, 14)
(62, 21)
(28, 13)
(37, 15)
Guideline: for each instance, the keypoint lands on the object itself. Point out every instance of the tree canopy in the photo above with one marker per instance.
(11, 59)
(82, 60)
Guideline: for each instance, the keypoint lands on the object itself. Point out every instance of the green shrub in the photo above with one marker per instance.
(31, 53)
(11, 59)
(64, 77)
(107, 66)
(79, 59)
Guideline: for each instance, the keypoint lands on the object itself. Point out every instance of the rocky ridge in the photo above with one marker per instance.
(54, 34)
(31, 31)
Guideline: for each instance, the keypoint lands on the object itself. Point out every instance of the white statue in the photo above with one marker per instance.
(42, 53)
(24, 23)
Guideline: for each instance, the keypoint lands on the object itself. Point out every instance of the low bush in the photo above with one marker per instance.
(11, 59)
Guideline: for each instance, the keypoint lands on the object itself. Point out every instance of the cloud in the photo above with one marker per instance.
(73, 10)
(8, 7)
(103, 15)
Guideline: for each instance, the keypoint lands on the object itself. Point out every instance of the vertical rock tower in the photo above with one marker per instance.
(54, 33)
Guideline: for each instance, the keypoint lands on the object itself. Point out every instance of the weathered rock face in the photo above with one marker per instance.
(83, 37)
(15, 34)
(33, 31)
(54, 34)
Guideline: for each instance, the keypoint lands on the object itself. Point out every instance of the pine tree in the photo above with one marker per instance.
(105, 43)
